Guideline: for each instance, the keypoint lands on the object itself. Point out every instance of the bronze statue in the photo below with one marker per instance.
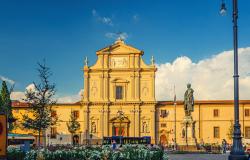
(189, 100)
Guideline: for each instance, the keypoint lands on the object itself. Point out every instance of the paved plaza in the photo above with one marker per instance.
(198, 156)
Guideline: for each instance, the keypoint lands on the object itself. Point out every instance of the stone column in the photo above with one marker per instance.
(102, 86)
(106, 86)
(86, 122)
(137, 120)
(132, 87)
(153, 86)
(106, 120)
(86, 84)
(102, 121)
(137, 86)
(153, 127)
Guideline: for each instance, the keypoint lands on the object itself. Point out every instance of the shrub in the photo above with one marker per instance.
(127, 152)
(15, 154)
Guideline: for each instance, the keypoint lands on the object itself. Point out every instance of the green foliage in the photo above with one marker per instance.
(5, 103)
(127, 152)
(15, 154)
(40, 100)
(1, 103)
(73, 125)
(230, 130)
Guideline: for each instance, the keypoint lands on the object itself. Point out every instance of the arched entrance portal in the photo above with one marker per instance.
(163, 139)
(75, 140)
(120, 127)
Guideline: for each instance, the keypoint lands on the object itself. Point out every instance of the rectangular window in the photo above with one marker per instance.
(216, 113)
(247, 132)
(53, 132)
(76, 114)
(118, 91)
(247, 113)
(163, 125)
(163, 113)
(216, 132)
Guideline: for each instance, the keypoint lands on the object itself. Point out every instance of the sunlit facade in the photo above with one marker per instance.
(120, 82)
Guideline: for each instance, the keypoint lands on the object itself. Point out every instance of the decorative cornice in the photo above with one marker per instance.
(121, 70)
(200, 102)
(22, 105)
(120, 103)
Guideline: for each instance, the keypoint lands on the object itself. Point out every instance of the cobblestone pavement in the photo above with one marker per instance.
(198, 156)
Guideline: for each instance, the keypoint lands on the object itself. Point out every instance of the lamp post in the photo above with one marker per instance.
(237, 152)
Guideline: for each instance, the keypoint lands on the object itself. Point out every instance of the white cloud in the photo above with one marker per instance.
(17, 95)
(107, 20)
(31, 87)
(211, 78)
(122, 35)
(10, 81)
(71, 98)
(20, 95)
(104, 20)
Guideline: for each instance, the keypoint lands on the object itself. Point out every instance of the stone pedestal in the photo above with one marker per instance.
(188, 132)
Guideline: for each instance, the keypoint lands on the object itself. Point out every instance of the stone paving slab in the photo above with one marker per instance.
(198, 156)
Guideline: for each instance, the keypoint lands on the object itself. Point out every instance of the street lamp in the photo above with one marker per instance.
(223, 9)
(237, 152)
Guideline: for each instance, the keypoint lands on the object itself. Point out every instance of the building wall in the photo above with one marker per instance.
(122, 65)
(119, 65)
(205, 120)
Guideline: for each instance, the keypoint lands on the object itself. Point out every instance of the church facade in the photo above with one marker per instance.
(119, 100)
(119, 82)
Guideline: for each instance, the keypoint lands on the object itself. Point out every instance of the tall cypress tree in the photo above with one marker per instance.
(6, 103)
(1, 110)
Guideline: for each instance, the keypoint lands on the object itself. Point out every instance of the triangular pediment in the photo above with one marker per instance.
(119, 47)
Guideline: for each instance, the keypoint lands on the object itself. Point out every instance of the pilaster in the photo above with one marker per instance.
(86, 118)
(137, 86)
(106, 86)
(86, 84)
(137, 120)
(153, 126)
(106, 120)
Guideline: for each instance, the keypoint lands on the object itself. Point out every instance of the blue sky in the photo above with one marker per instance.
(64, 32)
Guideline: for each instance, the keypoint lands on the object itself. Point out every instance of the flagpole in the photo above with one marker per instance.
(174, 119)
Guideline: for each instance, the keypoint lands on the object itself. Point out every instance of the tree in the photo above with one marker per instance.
(73, 125)
(1, 107)
(40, 100)
(230, 130)
(5, 103)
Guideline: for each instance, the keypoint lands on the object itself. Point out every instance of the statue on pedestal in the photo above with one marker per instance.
(188, 124)
(189, 100)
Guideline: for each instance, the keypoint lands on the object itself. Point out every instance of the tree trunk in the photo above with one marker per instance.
(39, 134)
(72, 139)
(44, 138)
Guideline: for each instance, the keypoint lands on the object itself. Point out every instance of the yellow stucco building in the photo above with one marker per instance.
(120, 83)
